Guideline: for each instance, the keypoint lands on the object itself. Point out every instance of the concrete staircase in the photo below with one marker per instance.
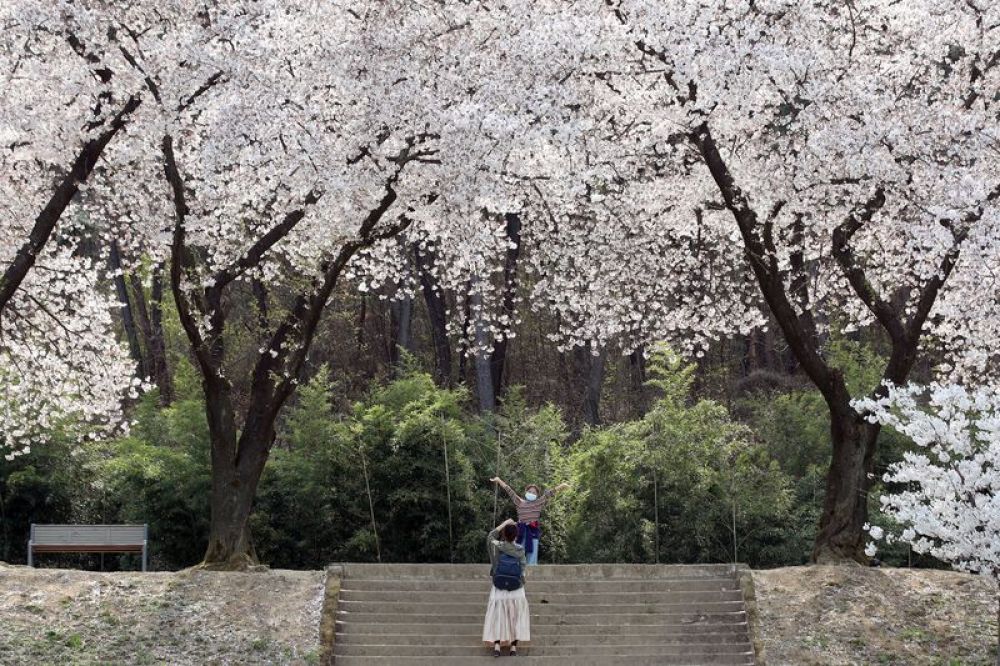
(599, 614)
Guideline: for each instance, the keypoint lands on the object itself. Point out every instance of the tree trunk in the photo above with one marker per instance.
(997, 662)
(128, 318)
(149, 317)
(437, 314)
(483, 367)
(237, 464)
(592, 370)
(400, 328)
(157, 343)
(229, 543)
(498, 358)
(845, 507)
(637, 382)
(360, 325)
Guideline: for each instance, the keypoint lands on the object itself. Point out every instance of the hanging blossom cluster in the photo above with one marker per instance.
(61, 366)
(945, 496)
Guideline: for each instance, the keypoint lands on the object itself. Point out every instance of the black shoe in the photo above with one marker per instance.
(496, 649)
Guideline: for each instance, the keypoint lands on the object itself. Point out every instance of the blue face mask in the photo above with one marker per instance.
(531, 497)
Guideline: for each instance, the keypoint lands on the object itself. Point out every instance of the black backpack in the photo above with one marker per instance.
(507, 575)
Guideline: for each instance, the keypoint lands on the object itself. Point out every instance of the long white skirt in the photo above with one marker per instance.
(507, 617)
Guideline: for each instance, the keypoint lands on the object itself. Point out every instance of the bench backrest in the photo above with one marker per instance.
(88, 535)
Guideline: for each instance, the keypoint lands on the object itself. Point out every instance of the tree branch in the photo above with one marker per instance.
(772, 286)
(855, 273)
(178, 261)
(48, 218)
(255, 254)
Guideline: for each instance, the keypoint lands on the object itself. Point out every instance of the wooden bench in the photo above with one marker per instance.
(88, 539)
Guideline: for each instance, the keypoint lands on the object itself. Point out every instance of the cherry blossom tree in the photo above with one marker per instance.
(337, 134)
(945, 496)
(854, 145)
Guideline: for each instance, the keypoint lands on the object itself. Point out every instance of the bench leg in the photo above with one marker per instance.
(144, 556)
(30, 548)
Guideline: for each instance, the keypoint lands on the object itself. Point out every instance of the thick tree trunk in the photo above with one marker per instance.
(845, 507)
(229, 542)
(238, 459)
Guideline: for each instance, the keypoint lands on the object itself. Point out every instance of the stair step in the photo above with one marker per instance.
(594, 650)
(691, 659)
(349, 629)
(540, 609)
(581, 615)
(703, 584)
(546, 640)
(535, 597)
(566, 572)
(367, 618)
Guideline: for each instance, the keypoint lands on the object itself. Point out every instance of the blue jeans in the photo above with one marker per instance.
(533, 555)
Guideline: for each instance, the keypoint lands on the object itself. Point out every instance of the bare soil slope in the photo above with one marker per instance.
(56, 616)
(857, 615)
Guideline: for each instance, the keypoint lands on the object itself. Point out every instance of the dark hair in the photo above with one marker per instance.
(509, 532)
(530, 486)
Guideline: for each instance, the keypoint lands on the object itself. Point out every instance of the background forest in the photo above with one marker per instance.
(386, 452)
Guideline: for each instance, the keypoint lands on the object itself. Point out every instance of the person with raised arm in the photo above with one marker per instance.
(529, 514)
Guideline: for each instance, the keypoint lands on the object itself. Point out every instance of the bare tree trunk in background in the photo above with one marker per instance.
(499, 356)
(128, 319)
(637, 382)
(157, 340)
(466, 322)
(591, 369)
(437, 314)
(481, 359)
(362, 317)
(400, 330)
(150, 320)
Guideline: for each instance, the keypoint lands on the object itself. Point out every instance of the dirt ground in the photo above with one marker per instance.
(58, 616)
(809, 616)
(856, 615)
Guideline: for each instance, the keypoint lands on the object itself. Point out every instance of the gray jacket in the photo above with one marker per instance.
(495, 545)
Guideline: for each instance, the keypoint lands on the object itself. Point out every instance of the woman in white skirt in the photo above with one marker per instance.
(507, 621)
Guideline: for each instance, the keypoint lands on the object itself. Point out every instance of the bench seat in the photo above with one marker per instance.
(88, 539)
